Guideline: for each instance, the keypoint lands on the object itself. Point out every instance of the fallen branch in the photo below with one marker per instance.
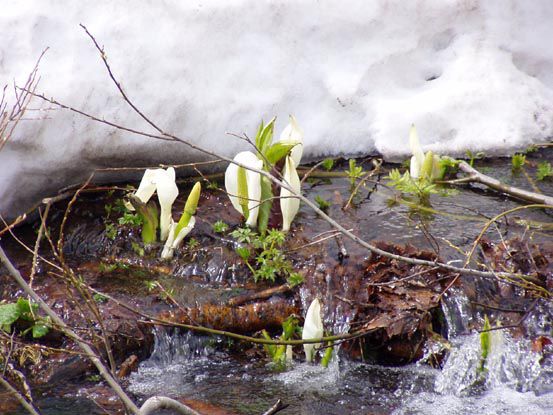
(475, 176)
(157, 403)
(27, 405)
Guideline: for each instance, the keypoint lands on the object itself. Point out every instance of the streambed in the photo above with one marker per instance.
(210, 370)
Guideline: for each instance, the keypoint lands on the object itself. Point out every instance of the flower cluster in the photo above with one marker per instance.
(163, 183)
(250, 192)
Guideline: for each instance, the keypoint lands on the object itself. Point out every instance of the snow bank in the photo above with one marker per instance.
(471, 75)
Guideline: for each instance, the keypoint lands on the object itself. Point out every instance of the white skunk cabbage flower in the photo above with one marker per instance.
(167, 192)
(312, 328)
(162, 181)
(243, 186)
(289, 203)
(173, 241)
(293, 134)
(146, 188)
(147, 185)
(418, 155)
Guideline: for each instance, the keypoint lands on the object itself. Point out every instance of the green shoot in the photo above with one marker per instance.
(518, 161)
(327, 164)
(131, 219)
(322, 203)
(111, 230)
(220, 227)
(354, 172)
(544, 170)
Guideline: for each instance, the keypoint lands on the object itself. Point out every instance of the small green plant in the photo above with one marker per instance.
(192, 243)
(137, 248)
(111, 230)
(474, 156)
(131, 219)
(263, 255)
(220, 227)
(485, 345)
(212, 185)
(354, 172)
(518, 161)
(544, 170)
(422, 187)
(25, 311)
(99, 298)
(281, 355)
(322, 203)
(327, 164)
(294, 279)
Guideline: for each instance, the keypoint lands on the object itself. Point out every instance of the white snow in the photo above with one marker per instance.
(470, 74)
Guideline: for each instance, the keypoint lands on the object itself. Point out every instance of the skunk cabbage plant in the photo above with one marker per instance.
(425, 166)
(312, 328)
(243, 186)
(178, 231)
(250, 192)
(293, 135)
(289, 203)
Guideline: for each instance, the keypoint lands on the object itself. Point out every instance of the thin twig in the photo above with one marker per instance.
(27, 405)
(104, 372)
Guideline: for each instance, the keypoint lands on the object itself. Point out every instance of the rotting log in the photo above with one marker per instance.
(244, 319)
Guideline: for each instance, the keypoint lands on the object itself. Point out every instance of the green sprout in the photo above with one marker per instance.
(111, 230)
(220, 227)
(518, 161)
(327, 164)
(354, 172)
(322, 203)
(544, 170)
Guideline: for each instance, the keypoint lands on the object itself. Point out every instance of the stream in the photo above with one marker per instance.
(519, 380)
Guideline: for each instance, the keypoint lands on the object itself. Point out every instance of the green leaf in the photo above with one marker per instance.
(266, 203)
(39, 330)
(427, 166)
(258, 135)
(150, 218)
(485, 339)
(243, 191)
(25, 306)
(190, 207)
(328, 164)
(328, 355)
(278, 151)
(265, 137)
(243, 252)
(269, 348)
(9, 313)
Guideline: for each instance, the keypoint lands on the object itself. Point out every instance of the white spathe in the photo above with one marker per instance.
(312, 328)
(147, 186)
(173, 242)
(167, 192)
(472, 75)
(289, 202)
(417, 159)
(248, 159)
(293, 134)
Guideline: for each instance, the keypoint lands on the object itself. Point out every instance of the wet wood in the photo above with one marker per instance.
(244, 319)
